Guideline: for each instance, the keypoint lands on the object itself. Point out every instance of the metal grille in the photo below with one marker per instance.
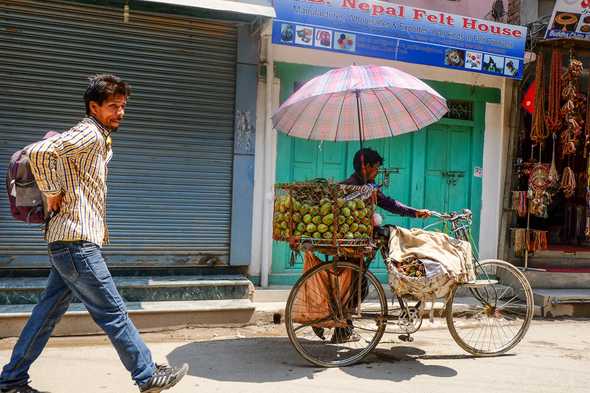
(170, 180)
(460, 110)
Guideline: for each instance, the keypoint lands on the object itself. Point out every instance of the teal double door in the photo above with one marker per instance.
(437, 168)
(431, 168)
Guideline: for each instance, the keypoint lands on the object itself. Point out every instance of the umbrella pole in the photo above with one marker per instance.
(364, 173)
(357, 93)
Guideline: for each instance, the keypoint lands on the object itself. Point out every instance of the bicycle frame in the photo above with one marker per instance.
(460, 228)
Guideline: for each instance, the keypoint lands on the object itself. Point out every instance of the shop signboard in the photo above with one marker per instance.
(398, 32)
(570, 19)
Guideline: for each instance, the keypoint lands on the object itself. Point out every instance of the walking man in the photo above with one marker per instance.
(71, 170)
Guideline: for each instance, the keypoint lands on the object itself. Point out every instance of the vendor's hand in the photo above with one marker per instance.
(54, 202)
(423, 213)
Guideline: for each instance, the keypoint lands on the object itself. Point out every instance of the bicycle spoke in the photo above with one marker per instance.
(508, 302)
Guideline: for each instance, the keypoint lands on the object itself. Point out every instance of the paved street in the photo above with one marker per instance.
(553, 358)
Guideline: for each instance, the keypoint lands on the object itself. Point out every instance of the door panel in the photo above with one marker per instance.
(459, 164)
(333, 160)
(436, 187)
(304, 160)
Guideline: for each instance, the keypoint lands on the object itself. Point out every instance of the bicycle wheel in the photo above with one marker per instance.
(323, 321)
(492, 315)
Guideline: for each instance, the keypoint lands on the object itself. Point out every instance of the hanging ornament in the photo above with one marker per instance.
(537, 240)
(519, 241)
(553, 178)
(568, 182)
(519, 203)
(552, 118)
(572, 109)
(539, 198)
(538, 131)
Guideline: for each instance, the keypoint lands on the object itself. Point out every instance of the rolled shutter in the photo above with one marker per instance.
(169, 198)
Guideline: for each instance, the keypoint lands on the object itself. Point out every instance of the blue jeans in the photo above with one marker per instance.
(78, 269)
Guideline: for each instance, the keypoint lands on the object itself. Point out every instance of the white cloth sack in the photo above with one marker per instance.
(447, 262)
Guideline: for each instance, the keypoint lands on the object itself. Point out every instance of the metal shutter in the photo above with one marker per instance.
(169, 199)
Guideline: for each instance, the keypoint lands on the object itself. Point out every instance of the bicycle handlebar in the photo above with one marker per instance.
(453, 216)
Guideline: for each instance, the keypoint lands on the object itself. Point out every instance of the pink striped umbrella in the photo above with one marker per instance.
(359, 103)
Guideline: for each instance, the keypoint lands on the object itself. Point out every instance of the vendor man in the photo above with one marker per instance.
(366, 164)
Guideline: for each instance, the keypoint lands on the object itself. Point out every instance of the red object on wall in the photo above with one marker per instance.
(528, 101)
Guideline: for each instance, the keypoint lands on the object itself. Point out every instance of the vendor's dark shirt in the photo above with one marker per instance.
(383, 201)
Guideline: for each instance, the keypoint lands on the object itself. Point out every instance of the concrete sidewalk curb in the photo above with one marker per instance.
(162, 316)
(146, 316)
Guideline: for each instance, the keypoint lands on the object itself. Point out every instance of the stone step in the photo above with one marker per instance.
(558, 280)
(26, 290)
(554, 259)
(272, 294)
(147, 316)
(563, 302)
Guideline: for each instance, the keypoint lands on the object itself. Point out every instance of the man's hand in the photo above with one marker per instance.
(53, 202)
(423, 213)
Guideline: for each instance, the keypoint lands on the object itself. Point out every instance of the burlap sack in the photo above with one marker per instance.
(315, 297)
(453, 258)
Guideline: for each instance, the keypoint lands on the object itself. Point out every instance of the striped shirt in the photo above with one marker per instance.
(74, 163)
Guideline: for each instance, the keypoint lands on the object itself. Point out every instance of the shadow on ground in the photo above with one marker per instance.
(273, 359)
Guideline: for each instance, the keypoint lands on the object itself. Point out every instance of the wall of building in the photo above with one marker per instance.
(532, 10)
(513, 12)
(546, 7)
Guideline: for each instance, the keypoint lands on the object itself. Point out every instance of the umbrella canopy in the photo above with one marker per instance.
(359, 102)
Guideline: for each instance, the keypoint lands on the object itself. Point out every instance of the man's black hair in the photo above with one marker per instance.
(370, 156)
(103, 86)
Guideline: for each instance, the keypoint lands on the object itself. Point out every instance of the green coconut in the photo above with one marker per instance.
(328, 219)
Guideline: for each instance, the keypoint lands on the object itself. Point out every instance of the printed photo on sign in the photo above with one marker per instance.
(584, 26)
(455, 57)
(511, 67)
(493, 64)
(345, 41)
(323, 38)
(565, 21)
(473, 60)
(304, 35)
(287, 33)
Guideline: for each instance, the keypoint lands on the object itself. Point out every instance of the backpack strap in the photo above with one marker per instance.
(46, 224)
